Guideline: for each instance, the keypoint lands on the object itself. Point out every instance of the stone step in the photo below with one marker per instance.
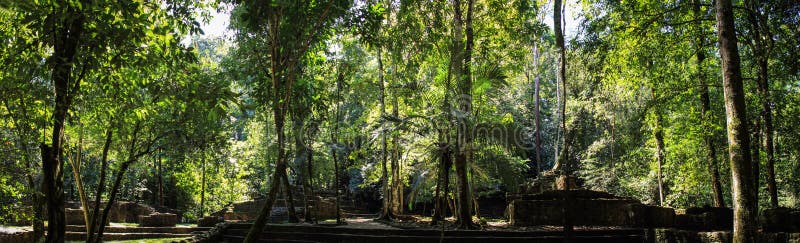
(359, 215)
(80, 236)
(315, 233)
(116, 229)
(333, 237)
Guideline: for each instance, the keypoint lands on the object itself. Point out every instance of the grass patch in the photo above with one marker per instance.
(161, 240)
(124, 224)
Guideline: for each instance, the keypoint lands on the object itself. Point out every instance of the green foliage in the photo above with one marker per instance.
(180, 106)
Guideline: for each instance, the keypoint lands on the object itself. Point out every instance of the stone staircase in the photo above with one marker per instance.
(78, 232)
(235, 233)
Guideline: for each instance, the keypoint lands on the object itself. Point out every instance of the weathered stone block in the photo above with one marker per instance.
(324, 208)
(209, 221)
(650, 216)
(706, 218)
(781, 220)
(586, 207)
(598, 212)
(564, 181)
(16, 236)
(121, 211)
(158, 220)
(74, 216)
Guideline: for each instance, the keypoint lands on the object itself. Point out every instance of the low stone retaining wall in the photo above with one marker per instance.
(16, 236)
(705, 219)
(586, 208)
(322, 208)
(680, 236)
(158, 220)
(120, 212)
(781, 220)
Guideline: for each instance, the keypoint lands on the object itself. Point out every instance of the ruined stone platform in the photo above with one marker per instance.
(78, 233)
(354, 232)
(321, 208)
(586, 207)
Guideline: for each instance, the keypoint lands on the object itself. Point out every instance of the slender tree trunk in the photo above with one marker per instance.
(335, 141)
(112, 198)
(100, 187)
(756, 160)
(290, 200)
(705, 117)
(76, 162)
(160, 183)
(761, 50)
(33, 185)
(460, 62)
(437, 213)
(67, 37)
(38, 209)
(613, 139)
(744, 193)
(202, 183)
(537, 109)
(769, 146)
(310, 179)
(254, 235)
(562, 160)
(300, 160)
(280, 101)
(659, 135)
(336, 184)
(445, 160)
(132, 158)
(386, 212)
(397, 182)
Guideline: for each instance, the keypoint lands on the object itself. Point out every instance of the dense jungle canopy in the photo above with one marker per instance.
(408, 103)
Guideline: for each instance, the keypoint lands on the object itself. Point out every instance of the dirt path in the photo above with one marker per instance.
(366, 223)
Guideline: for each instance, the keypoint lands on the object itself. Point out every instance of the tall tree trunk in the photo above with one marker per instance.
(132, 158)
(281, 96)
(300, 160)
(310, 178)
(292, 213)
(562, 160)
(761, 50)
(95, 215)
(705, 117)
(33, 185)
(756, 160)
(112, 198)
(67, 37)
(336, 184)
(75, 162)
(659, 135)
(613, 139)
(386, 212)
(445, 148)
(744, 193)
(461, 62)
(160, 183)
(254, 235)
(444, 157)
(202, 183)
(335, 141)
(38, 209)
(537, 109)
(397, 181)
(769, 146)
